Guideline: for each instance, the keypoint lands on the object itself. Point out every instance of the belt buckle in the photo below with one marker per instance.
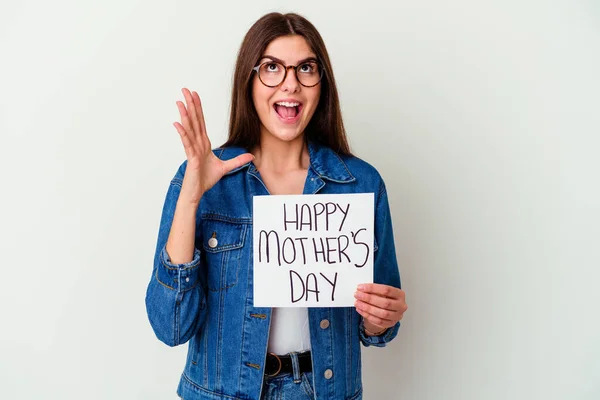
(278, 369)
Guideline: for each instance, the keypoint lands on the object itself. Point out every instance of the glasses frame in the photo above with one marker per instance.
(286, 68)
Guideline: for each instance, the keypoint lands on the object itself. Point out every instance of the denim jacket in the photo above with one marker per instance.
(209, 301)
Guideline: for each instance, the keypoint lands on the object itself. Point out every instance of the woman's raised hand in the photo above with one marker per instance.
(204, 169)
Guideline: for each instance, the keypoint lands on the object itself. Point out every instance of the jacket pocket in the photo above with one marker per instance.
(223, 243)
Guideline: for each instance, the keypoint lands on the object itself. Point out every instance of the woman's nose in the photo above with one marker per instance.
(290, 84)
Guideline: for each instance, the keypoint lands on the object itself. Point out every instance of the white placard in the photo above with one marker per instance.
(312, 250)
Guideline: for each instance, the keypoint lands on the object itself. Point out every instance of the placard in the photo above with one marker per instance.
(311, 250)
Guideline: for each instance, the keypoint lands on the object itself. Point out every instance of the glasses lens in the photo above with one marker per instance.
(309, 73)
(271, 73)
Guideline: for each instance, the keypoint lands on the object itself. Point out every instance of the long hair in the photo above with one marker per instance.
(326, 125)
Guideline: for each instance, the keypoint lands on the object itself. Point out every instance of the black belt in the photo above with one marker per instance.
(276, 365)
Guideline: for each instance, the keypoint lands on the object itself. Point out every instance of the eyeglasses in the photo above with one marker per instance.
(272, 73)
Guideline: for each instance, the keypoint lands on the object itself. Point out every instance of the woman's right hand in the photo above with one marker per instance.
(204, 169)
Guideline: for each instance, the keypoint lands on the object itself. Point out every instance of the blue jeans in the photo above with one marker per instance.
(289, 386)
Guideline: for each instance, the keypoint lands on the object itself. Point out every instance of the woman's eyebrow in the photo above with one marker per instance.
(281, 61)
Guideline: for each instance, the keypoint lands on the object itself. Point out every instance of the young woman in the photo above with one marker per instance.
(286, 136)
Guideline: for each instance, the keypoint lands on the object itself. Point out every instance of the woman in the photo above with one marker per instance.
(286, 136)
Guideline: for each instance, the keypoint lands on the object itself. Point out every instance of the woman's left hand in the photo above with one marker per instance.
(381, 306)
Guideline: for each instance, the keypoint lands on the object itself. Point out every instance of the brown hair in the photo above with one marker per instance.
(326, 125)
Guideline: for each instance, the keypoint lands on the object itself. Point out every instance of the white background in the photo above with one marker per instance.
(482, 116)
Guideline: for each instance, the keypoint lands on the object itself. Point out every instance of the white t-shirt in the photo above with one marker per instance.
(289, 330)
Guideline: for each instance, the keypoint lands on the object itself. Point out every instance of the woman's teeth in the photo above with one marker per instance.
(287, 104)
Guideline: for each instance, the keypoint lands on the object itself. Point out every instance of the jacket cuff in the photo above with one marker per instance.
(178, 277)
(379, 340)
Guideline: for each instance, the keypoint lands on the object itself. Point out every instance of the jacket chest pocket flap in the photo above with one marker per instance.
(223, 245)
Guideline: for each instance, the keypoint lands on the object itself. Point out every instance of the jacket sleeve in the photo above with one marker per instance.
(385, 264)
(175, 298)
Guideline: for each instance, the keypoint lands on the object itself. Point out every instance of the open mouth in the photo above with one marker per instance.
(288, 111)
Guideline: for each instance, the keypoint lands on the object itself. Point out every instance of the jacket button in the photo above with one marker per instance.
(328, 374)
(213, 242)
(324, 324)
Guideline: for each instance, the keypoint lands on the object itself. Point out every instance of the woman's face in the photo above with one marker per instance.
(285, 110)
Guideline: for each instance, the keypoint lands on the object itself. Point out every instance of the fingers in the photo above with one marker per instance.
(230, 165)
(199, 112)
(375, 320)
(191, 109)
(382, 290)
(382, 313)
(385, 303)
(185, 140)
(185, 119)
(192, 123)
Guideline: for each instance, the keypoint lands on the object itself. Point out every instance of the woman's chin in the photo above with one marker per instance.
(285, 135)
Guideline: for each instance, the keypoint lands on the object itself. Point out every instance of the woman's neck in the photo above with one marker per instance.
(277, 156)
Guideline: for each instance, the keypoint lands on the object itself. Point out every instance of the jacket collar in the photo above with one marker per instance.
(324, 161)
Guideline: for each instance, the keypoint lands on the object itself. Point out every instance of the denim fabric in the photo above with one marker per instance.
(289, 386)
(284, 387)
(294, 386)
(208, 301)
